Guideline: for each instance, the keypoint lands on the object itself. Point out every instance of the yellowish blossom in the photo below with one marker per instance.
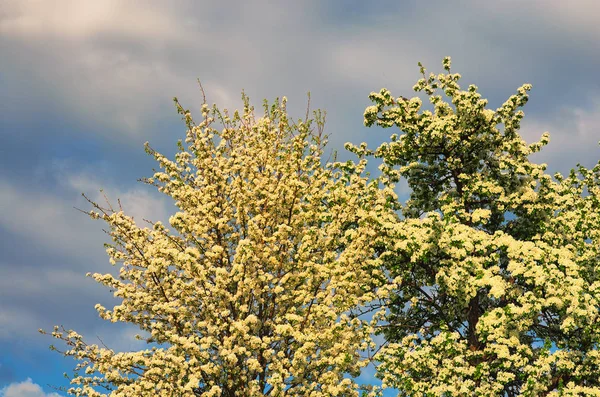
(249, 295)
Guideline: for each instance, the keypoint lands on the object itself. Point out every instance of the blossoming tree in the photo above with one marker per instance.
(252, 296)
(499, 262)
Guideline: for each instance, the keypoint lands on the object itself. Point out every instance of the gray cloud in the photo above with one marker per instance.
(118, 65)
(45, 220)
(114, 66)
(84, 73)
(49, 219)
(56, 291)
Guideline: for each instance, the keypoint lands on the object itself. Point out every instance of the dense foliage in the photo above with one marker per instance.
(252, 296)
(499, 262)
(485, 282)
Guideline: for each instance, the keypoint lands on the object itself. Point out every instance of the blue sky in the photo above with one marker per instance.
(83, 84)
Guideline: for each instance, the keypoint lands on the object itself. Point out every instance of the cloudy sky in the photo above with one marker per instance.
(83, 84)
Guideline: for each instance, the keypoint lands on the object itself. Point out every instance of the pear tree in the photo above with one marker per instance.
(251, 294)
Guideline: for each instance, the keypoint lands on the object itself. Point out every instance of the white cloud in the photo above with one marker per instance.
(25, 389)
(75, 20)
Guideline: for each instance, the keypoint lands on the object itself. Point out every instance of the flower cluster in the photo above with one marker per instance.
(485, 282)
(253, 294)
(500, 290)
